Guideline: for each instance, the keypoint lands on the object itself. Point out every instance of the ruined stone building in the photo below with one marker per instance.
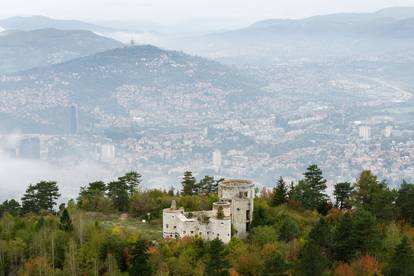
(234, 208)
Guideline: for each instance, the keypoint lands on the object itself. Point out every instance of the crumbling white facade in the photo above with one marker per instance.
(236, 201)
(240, 193)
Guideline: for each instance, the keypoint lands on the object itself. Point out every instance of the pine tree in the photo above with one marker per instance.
(365, 233)
(29, 201)
(280, 193)
(140, 259)
(288, 230)
(204, 186)
(312, 262)
(189, 183)
(214, 188)
(342, 195)
(405, 202)
(132, 180)
(65, 221)
(118, 193)
(42, 196)
(275, 265)
(93, 196)
(292, 191)
(47, 194)
(322, 235)
(402, 263)
(10, 206)
(374, 196)
(384, 207)
(217, 264)
(314, 188)
(343, 239)
(366, 187)
(171, 191)
(95, 188)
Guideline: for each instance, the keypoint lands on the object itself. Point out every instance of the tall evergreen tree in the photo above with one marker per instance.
(317, 252)
(310, 191)
(402, 263)
(10, 206)
(140, 259)
(317, 185)
(189, 183)
(29, 200)
(132, 180)
(291, 192)
(275, 265)
(289, 230)
(214, 188)
(217, 263)
(365, 233)
(344, 246)
(118, 193)
(300, 192)
(47, 194)
(65, 221)
(312, 261)
(366, 187)
(207, 186)
(342, 195)
(384, 207)
(95, 188)
(374, 196)
(93, 196)
(405, 202)
(171, 191)
(280, 193)
(322, 235)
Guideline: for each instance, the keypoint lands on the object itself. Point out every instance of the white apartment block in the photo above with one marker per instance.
(364, 132)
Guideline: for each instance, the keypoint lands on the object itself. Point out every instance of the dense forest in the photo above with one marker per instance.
(114, 228)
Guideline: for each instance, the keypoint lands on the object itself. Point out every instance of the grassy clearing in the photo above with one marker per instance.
(147, 230)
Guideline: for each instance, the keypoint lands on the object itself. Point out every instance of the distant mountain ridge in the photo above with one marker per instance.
(22, 50)
(333, 35)
(398, 13)
(41, 22)
(377, 23)
(145, 64)
(142, 65)
(384, 15)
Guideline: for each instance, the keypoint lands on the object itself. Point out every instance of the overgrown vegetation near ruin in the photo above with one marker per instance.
(114, 229)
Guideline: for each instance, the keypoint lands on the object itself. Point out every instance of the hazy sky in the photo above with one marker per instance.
(164, 11)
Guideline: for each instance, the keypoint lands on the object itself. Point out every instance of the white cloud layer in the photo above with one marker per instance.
(16, 174)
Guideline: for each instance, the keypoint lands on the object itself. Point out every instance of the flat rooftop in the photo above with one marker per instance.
(236, 183)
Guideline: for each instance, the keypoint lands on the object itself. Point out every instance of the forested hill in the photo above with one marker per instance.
(30, 23)
(22, 50)
(118, 81)
(144, 65)
(115, 229)
(343, 35)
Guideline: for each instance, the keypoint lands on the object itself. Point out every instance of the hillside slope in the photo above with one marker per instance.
(30, 23)
(21, 50)
(315, 38)
(124, 79)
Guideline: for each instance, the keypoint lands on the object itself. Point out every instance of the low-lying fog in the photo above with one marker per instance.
(16, 174)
